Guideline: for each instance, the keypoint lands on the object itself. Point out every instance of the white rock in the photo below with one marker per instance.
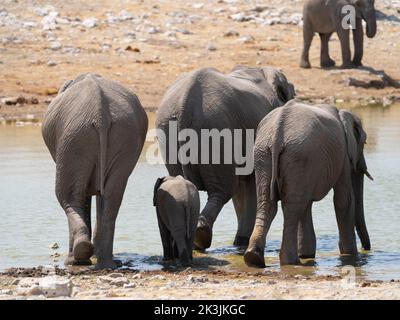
(90, 23)
(247, 39)
(54, 245)
(198, 6)
(56, 286)
(119, 282)
(211, 47)
(55, 45)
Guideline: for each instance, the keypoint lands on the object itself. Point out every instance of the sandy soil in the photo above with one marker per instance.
(195, 284)
(164, 39)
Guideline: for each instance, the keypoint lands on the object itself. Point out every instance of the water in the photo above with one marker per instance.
(31, 218)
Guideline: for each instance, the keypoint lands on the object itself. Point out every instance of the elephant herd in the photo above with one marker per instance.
(95, 130)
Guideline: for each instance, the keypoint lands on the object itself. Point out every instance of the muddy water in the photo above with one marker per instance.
(31, 219)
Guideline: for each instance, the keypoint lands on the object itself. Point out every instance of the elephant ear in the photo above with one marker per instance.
(283, 89)
(355, 135)
(65, 86)
(159, 182)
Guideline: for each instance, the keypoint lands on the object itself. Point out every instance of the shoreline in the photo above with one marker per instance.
(24, 117)
(186, 284)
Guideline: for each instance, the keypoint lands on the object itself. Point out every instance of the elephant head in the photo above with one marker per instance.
(270, 79)
(282, 88)
(366, 10)
(356, 139)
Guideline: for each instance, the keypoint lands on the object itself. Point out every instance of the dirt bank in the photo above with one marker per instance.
(146, 45)
(189, 284)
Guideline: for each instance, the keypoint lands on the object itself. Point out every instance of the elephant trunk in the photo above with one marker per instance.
(358, 187)
(370, 19)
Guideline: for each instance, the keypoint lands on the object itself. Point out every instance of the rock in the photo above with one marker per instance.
(90, 23)
(10, 101)
(119, 282)
(129, 285)
(55, 45)
(54, 245)
(125, 15)
(240, 17)
(130, 48)
(198, 6)
(231, 33)
(247, 39)
(15, 282)
(6, 292)
(115, 275)
(52, 63)
(49, 22)
(154, 30)
(211, 47)
(194, 279)
(56, 286)
(387, 101)
(137, 276)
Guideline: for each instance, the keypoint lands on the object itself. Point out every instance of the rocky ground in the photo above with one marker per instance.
(40, 283)
(146, 45)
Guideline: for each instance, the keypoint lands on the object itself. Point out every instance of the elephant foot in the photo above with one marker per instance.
(357, 63)
(83, 250)
(307, 256)
(289, 260)
(254, 258)
(305, 64)
(328, 63)
(203, 235)
(71, 261)
(241, 241)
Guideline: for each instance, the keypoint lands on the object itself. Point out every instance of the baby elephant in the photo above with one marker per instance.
(178, 206)
(302, 152)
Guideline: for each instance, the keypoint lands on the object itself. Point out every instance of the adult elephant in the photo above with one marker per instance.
(328, 16)
(209, 99)
(302, 152)
(95, 130)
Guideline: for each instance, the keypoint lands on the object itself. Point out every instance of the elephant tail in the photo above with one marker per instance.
(103, 157)
(274, 187)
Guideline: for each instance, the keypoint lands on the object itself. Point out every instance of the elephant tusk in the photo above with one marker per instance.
(368, 175)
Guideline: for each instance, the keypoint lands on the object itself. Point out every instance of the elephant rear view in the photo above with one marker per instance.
(301, 153)
(178, 206)
(95, 130)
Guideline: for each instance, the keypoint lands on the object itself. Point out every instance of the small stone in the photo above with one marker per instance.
(231, 33)
(90, 23)
(387, 101)
(6, 292)
(137, 276)
(54, 245)
(115, 275)
(247, 39)
(211, 47)
(119, 282)
(52, 63)
(55, 46)
(129, 285)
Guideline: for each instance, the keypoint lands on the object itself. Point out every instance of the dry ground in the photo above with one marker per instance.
(149, 62)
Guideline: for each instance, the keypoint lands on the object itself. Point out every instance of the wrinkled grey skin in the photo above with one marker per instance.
(177, 203)
(208, 99)
(325, 17)
(95, 130)
(302, 152)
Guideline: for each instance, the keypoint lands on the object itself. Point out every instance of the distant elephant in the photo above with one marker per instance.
(177, 203)
(326, 17)
(302, 152)
(95, 130)
(209, 99)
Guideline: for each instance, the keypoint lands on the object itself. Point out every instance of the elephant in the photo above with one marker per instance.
(328, 16)
(177, 204)
(207, 99)
(301, 152)
(95, 130)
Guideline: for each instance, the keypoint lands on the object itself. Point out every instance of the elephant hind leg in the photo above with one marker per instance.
(266, 212)
(307, 242)
(345, 213)
(326, 61)
(289, 248)
(245, 203)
